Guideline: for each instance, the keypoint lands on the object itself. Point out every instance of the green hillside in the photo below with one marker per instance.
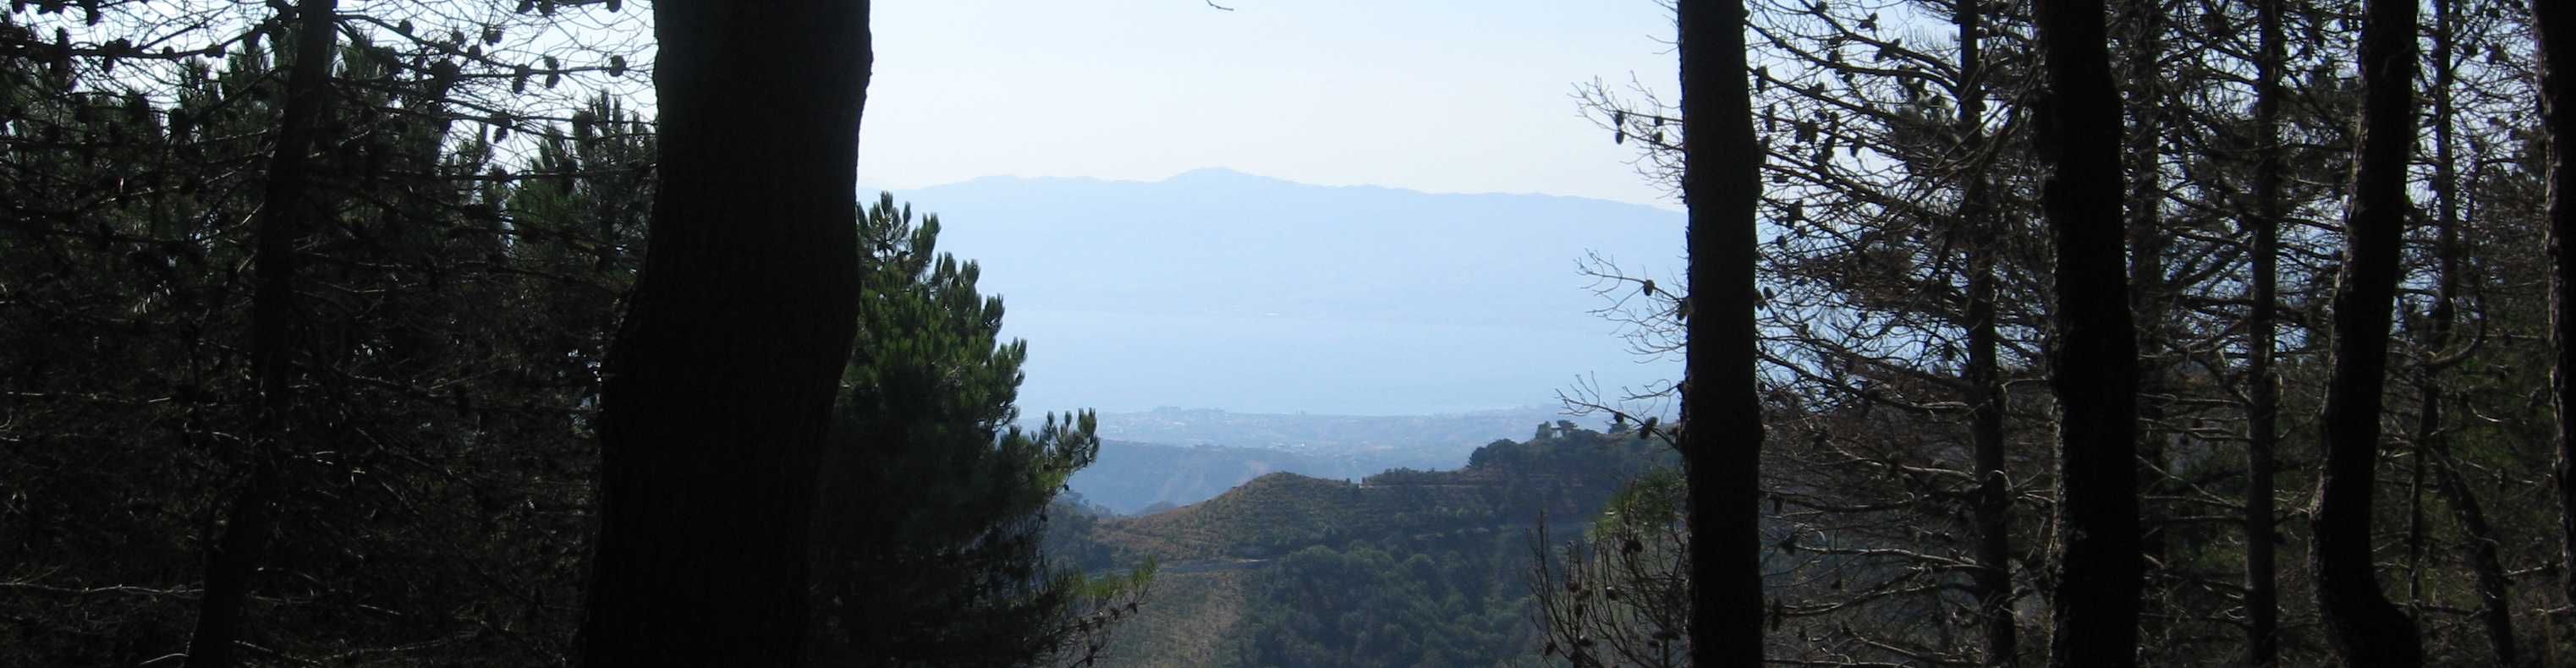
(1189, 620)
(1294, 570)
(1505, 484)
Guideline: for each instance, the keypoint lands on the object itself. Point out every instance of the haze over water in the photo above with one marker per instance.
(1220, 289)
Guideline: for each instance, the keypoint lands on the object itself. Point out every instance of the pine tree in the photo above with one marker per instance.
(1722, 440)
(288, 212)
(927, 474)
(2094, 368)
(2263, 391)
(2361, 624)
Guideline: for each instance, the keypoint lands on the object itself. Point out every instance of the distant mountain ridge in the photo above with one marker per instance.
(1218, 288)
(1505, 483)
(1180, 456)
(1460, 433)
(1133, 477)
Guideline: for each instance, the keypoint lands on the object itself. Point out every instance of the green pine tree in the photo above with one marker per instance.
(934, 504)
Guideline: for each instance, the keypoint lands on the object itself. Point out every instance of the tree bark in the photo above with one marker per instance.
(1722, 433)
(2493, 586)
(2361, 625)
(1993, 579)
(2262, 577)
(2094, 360)
(720, 386)
(2148, 241)
(287, 212)
(2555, 28)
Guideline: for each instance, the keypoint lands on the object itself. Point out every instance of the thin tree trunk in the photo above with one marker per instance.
(1993, 580)
(2147, 292)
(2415, 470)
(2262, 578)
(2094, 363)
(720, 385)
(1722, 433)
(2361, 625)
(2556, 31)
(2493, 586)
(287, 212)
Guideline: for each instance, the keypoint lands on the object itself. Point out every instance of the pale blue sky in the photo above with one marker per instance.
(1434, 95)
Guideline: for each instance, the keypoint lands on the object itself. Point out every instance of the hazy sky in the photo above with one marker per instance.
(1434, 95)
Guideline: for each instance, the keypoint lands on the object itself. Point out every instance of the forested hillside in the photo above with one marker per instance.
(1399, 568)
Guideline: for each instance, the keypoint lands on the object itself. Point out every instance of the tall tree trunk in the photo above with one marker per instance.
(1722, 432)
(287, 212)
(1993, 580)
(2093, 367)
(2262, 578)
(2557, 32)
(2493, 586)
(2147, 295)
(2555, 25)
(720, 385)
(2361, 624)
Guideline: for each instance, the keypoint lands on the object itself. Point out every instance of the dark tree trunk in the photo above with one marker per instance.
(2494, 588)
(2148, 293)
(1722, 412)
(2556, 28)
(1993, 580)
(2094, 360)
(720, 386)
(2262, 577)
(2361, 625)
(287, 213)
